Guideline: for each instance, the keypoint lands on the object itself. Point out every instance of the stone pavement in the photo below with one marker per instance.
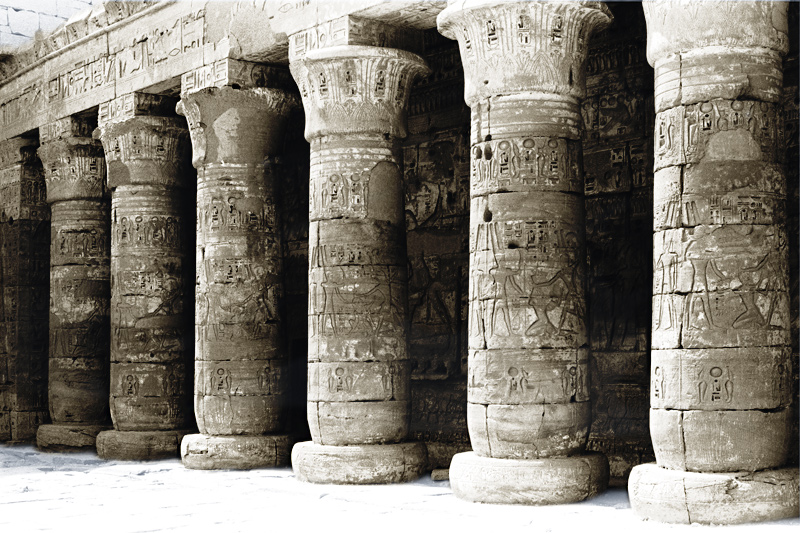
(80, 492)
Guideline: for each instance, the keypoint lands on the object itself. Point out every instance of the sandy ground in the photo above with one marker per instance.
(79, 492)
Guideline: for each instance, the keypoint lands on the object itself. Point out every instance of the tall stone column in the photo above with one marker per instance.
(720, 367)
(528, 410)
(75, 174)
(237, 127)
(24, 243)
(146, 151)
(358, 365)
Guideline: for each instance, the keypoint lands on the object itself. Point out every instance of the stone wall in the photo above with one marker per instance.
(20, 20)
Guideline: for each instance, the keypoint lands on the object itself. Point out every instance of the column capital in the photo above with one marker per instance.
(702, 50)
(512, 47)
(236, 111)
(17, 150)
(74, 163)
(678, 26)
(140, 148)
(356, 89)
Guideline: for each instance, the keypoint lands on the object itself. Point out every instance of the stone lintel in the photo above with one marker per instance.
(67, 127)
(289, 18)
(17, 150)
(99, 55)
(130, 105)
(352, 30)
(237, 74)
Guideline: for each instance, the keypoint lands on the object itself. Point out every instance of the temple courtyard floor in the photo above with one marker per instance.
(79, 492)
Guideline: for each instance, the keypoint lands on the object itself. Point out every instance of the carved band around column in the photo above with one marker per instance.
(75, 173)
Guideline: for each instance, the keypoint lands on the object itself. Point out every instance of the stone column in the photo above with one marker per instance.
(720, 367)
(24, 242)
(359, 370)
(528, 410)
(150, 322)
(75, 173)
(237, 126)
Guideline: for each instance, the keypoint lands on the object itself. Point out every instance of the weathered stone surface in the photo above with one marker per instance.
(355, 99)
(709, 498)
(721, 321)
(150, 372)
(524, 66)
(618, 185)
(358, 464)
(511, 377)
(237, 120)
(528, 431)
(75, 174)
(240, 452)
(692, 44)
(139, 445)
(554, 480)
(24, 243)
(351, 422)
(720, 441)
(67, 437)
(717, 378)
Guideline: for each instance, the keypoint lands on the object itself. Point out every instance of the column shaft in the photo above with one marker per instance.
(359, 372)
(720, 381)
(528, 396)
(240, 360)
(150, 325)
(24, 243)
(75, 173)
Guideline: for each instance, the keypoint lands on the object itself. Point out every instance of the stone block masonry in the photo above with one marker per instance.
(21, 19)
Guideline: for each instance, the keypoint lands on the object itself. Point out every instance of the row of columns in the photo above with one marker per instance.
(720, 290)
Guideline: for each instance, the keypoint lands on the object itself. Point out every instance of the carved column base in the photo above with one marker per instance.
(234, 452)
(359, 465)
(547, 481)
(713, 498)
(68, 437)
(139, 445)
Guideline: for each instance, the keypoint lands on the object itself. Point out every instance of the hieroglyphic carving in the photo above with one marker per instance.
(524, 71)
(79, 272)
(148, 311)
(24, 231)
(721, 278)
(517, 164)
(358, 281)
(545, 47)
(683, 134)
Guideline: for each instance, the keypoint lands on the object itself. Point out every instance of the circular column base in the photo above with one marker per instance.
(140, 445)
(360, 464)
(234, 452)
(680, 497)
(67, 437)
(547, 481)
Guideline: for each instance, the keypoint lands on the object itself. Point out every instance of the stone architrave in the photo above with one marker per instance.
(147, 154)
(24, 241)
(75, 174)
(358, 364)
(720, 371)
(528, 411)
(237, 120)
